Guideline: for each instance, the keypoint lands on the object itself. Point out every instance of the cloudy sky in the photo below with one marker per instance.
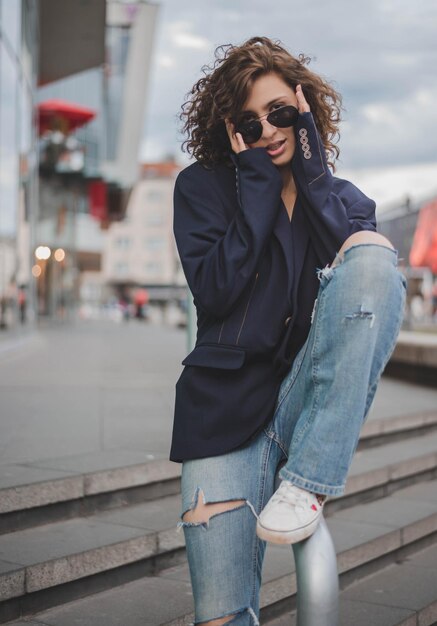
(380, 54)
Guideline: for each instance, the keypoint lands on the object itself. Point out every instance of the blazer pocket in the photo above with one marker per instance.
(221, 357)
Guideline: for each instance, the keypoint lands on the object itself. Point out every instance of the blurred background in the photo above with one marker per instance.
(90, 92)
(95, 317)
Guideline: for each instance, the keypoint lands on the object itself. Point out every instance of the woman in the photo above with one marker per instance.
(299, 303)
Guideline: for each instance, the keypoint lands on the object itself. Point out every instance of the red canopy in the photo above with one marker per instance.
(63, 116)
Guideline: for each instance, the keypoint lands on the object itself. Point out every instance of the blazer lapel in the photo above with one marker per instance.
(293, 238)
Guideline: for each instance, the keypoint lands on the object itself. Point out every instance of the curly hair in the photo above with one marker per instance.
(225, 86)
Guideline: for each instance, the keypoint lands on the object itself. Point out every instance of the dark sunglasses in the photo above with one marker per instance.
(251, 130)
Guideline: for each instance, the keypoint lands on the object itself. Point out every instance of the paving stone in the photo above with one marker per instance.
(359, 542)
(403, 586)
(64, 551)
(124, 477)
(26, 623)
(75, 566)
(394, 453)
(94, 461)
(360, 479)
(393, 512)
(12, 577)
(154, 515)
(39, 494)
(418, 419)
(146, 602)
(36, 545)
(13, 475)
(425, 492)
(424, 558)
(359, 614)
(395, 397)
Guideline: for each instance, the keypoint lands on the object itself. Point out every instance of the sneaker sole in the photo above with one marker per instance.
(286, 537)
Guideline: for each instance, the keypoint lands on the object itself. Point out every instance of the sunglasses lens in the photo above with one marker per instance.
(284, 117)
(250, 131)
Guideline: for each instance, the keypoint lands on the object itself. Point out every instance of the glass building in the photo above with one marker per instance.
(18, 161)
(92, 53)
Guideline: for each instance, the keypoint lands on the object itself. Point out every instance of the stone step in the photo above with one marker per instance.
(64, 488)
(389, 533)
(69, 487)
(402, 594)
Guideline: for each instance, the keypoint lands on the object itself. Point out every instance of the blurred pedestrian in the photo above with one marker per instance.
(299, 303)
(22, 303)
(141, 300)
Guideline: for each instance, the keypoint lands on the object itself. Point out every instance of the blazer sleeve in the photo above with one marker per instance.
(334, 208)
(219, 255)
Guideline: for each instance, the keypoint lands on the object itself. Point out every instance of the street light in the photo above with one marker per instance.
(42, 253)
(59, 254)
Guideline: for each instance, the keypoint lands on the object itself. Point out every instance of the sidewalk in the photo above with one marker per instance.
(99, 394)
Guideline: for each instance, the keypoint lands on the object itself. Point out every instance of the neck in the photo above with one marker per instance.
(288, 184)
(289, 190)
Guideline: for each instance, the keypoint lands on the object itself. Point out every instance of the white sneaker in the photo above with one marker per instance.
(291, 514)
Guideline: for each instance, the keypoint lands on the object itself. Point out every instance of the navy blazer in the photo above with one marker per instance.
(253, 276)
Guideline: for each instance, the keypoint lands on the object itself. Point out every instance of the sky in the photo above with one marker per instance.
(381, 55)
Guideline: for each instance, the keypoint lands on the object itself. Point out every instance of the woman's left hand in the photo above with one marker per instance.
(302, 104)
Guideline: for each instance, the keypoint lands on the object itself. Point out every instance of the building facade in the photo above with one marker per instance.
(140, 251)
(18, 161)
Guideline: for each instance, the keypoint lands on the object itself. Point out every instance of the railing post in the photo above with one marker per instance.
(317, 579)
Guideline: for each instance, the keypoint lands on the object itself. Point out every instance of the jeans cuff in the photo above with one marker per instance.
(311, 485)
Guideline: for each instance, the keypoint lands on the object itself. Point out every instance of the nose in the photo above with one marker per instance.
(268, 129)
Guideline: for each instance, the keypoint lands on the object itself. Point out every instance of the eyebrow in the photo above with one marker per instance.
(268, 103)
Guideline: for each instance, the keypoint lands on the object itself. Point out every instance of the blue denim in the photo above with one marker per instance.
(310, 441)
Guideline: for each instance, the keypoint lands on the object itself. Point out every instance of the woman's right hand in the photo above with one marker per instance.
(236, 139)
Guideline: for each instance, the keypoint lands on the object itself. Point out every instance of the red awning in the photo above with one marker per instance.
(63, 116)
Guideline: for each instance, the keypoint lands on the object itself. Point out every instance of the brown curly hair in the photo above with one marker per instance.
(225, 87)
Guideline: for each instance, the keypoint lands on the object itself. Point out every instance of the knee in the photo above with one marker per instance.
(363, 237)
(202, 512)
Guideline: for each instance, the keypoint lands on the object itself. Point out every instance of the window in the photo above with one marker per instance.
(154, 243)
(153, 267)
(123, 243)
(154, 196)
(154, 219)
(121, 267)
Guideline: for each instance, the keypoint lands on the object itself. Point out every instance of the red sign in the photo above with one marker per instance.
(97, 200)
(424, 248)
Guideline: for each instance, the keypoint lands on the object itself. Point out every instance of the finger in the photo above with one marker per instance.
(230, 127)
(303, 105)
(240, 140)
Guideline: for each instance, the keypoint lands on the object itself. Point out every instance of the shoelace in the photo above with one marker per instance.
(287, 493)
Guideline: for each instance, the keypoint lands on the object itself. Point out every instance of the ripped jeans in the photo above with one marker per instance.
(310, 441)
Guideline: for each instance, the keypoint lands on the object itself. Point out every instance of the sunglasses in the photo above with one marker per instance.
(251, 130)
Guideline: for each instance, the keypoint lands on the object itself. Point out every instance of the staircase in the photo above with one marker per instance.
(100, 548)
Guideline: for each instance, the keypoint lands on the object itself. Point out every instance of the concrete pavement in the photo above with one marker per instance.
(97, 394)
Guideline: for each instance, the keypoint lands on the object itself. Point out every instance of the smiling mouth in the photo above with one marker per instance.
(274, 146)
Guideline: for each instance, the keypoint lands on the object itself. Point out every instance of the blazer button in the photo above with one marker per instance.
(287, 321)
